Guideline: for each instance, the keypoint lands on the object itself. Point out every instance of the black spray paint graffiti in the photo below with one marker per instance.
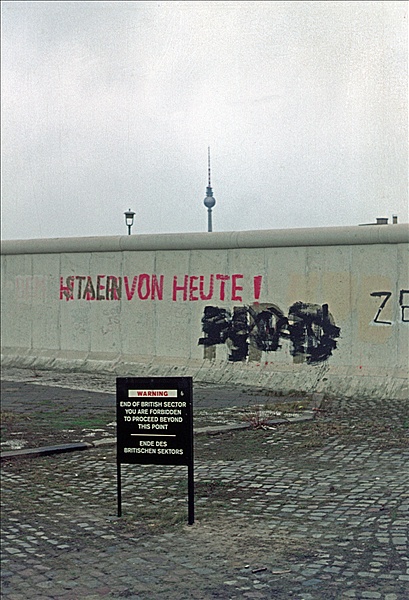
(312, 331)
(260, 327)
(403, 305)
(385, 296)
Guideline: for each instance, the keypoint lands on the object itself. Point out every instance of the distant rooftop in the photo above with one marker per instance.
(382, 221)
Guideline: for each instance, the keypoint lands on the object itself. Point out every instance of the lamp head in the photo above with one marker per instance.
(129, 217)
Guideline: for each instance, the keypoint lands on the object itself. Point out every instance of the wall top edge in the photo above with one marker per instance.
(272, 238)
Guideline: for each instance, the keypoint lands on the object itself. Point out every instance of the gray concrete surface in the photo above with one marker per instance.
(144, 304)
(328, 521)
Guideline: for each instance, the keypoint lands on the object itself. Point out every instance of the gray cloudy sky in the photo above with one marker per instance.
(112, 105)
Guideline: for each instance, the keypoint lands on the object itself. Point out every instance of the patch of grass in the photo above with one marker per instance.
(235, 446)
(10, 422)
(47, 402)
(155, 508)
(62, 420)
(7, 418)
(214, 488)
(290, 394)
(258, 416)
(151, 519)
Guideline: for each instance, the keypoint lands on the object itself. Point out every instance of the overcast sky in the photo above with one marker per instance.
(112, 105)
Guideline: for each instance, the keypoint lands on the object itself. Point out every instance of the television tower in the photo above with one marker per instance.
(209, 201)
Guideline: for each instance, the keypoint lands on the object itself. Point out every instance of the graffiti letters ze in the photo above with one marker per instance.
(250, 330)
(403, 305)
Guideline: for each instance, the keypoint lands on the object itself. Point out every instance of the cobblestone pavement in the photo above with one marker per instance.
(329, 521)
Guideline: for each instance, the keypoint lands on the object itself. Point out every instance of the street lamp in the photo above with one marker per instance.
(129, 215)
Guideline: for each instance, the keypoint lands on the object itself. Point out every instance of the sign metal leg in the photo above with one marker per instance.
(191, 494)
(119, 489)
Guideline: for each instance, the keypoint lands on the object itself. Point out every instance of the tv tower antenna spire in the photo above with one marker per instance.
(209, 201)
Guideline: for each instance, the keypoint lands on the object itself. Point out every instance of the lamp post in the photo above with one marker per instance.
(129, 216)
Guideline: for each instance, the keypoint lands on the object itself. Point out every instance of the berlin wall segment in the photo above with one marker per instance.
(340, 300)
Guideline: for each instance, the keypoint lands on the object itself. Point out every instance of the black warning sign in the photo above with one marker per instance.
(154, 420)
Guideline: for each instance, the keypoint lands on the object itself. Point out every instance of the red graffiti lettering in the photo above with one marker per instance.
(113, 288)
(100, 287)
(257, 286)
(89, 291)
(193, 288)
(222, 279)
(235, 288)
(209, 295)
(144, 281)
(80, 279)
(145, 286)
(130, 292)
(157, 287)
(180, 288)
(67, 291)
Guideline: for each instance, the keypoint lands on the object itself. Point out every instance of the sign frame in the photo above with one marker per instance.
(155, 426)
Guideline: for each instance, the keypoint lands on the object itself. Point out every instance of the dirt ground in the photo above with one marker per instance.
(50, 423)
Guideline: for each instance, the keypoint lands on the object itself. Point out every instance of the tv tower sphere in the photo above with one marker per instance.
(209, 201)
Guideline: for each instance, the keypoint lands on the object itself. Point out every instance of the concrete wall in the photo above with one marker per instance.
(307, 309)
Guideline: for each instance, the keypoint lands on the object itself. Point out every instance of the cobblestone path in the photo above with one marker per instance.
(318, 523)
